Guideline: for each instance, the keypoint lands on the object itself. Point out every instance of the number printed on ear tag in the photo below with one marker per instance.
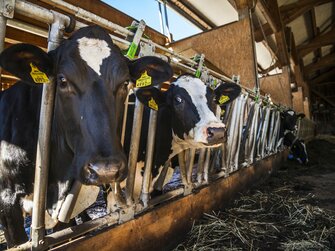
(38, 76)
(152, 104)
(144, 80)
(223, 99)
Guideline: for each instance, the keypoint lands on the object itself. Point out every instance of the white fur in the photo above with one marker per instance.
(93, 51)
(14, 156)
(8, 197)
(27, 204)
(197, 91)
(291, 113)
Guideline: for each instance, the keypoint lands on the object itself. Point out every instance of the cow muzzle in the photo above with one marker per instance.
(216, 135)
(104, 172)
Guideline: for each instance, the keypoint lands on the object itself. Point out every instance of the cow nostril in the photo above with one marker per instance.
(210, 132)
(91, 172)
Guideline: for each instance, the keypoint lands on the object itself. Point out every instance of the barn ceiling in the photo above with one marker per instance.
(306, 26)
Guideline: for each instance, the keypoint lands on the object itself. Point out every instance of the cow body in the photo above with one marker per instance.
(287, 134)
(185, 119)
(90, 74)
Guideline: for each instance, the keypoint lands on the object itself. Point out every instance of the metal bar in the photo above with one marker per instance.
(43, 144)
(17, 24)
(206, 165)
(160, 17)
(133, 151)
(3, 21)
(200, 167)
(190, 164)
(182, 167)
(149, 158)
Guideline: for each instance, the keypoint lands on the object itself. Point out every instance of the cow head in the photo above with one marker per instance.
(192, 105)
(90, 74)
(289, 119)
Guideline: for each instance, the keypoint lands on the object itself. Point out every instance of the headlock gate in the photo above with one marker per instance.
(253, 147)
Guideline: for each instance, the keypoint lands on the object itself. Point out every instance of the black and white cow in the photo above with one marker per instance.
(186, 117)
(288, 134)
(91, 76)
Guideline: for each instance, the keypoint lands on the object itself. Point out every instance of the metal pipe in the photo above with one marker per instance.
(200, 168)
(17, 24)
(3, 21)
(206, 165)
(190, 163)
(149, 158)
(43, 144)
(182, 168)
(160, 17)
(133, 151)
(167, 22)
(84, 14)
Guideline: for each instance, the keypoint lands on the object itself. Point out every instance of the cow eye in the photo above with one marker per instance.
(178, 99)
(62, 81)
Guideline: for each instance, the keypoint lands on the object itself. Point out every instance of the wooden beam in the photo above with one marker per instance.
(324, 77)
(271, 13)
(292, 11)
(183, 9)
(326, 61)
(321, 40)
(260, 32)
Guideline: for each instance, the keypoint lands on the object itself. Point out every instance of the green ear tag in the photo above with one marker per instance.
(223, 99)
(132, 50)
(152, 104)
(38, 76)
(144, 80)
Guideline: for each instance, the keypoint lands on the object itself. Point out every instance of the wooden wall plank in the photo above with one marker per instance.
(228, 47)
(298, 101)
(278, 86)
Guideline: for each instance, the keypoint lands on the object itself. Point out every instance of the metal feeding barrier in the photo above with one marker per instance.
(253, 124)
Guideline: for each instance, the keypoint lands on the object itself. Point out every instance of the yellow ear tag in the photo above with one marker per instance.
(152, 104)
(144, 80)
(38, 76)
(223, 99)
(222, 112)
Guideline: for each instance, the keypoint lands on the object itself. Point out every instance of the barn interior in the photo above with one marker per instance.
(282, 51)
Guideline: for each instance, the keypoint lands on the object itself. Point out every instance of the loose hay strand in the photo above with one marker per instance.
(263, 219)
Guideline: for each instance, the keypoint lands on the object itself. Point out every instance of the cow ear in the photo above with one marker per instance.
(149, 71)
(151, 97)
(301, 115)
(226, 93)
(27, 62)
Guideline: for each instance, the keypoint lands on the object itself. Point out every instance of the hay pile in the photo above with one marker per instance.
(279, 219)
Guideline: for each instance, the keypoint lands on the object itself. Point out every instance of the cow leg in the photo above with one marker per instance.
(13, 222)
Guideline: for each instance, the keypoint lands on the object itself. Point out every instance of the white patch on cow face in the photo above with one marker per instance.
(197, 91)
(291, 113)
(93, 51)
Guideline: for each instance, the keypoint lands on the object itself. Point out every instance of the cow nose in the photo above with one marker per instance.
(103, 172)
(216, 135)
